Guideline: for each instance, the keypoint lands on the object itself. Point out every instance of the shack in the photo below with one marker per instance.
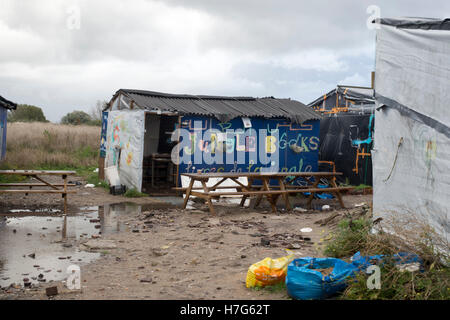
(140, 125)
(5, 105)
(411, 155)
(346, 132)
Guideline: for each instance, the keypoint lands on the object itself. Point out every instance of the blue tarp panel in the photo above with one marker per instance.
(3, 114)
(303, 137)
(103, 134)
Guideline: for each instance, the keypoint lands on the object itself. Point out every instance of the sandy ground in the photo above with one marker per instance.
(168, 253)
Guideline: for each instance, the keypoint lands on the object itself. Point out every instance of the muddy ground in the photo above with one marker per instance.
(163, 252)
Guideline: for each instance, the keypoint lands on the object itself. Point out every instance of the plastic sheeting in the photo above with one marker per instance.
(411, 156)
(343, 138)
(125, 144)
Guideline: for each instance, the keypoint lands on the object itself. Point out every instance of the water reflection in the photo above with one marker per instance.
(32, 245)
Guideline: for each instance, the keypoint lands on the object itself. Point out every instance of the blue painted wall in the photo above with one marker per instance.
(305, 136)
(3, 115)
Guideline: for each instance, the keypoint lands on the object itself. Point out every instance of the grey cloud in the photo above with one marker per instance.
(226, 47)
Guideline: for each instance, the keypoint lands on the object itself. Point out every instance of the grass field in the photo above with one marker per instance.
(38, 145)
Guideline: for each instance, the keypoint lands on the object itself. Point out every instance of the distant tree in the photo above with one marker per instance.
(96, 111)
(76, 118)
(27, 113)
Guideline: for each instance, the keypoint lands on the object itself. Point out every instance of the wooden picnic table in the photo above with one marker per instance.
(58, 188)
(284, 188)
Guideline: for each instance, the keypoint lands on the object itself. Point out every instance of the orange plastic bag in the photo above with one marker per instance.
(268, 271)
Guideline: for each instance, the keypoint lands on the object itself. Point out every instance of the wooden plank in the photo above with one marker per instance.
(257, 175)
(49, 184)
(32, 185)
(316, 190)
(36, 172)
(37, 191)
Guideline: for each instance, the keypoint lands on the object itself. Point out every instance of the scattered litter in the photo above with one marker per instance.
(96, 170)
(306, 230)
(285, 240)
(360, 204)
(19, 210)
(147, 280)
(51, 291)
(299, 209)
(268, 271)
(89, 185)
(325, 207)
(411, 267)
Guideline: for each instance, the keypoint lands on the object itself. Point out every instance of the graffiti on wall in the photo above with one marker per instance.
(296, 145)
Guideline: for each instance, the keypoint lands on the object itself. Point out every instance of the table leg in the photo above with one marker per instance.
(244, 197)
(268, 196)
(65, 193)
(285, 195)
(188, 192)
(208, 197)
(337, 193)
(311, 196)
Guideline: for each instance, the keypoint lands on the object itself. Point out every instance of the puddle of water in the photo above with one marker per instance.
(50, 238)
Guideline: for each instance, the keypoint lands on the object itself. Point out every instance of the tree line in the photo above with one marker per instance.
(30, 113)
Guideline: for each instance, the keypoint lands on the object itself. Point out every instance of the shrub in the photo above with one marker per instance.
(26, 113)
(133, 193)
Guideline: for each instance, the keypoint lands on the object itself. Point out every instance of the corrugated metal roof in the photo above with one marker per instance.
(223, 108)
(7, 104)
(361, 95)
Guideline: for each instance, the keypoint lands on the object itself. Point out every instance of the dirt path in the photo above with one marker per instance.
(167, 253)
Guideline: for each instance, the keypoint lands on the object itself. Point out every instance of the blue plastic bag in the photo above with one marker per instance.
(321, 195)
(304, 282)
(363, 262)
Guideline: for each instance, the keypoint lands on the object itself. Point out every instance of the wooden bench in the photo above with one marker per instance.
(56, 188)
(271, 192)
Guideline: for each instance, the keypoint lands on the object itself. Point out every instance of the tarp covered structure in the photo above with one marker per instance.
(346, 132)
(138, 125)
(411, 155)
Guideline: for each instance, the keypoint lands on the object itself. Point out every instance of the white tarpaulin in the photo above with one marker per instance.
(411, 155)
(125, 144)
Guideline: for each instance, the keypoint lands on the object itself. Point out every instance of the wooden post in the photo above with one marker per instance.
(178, 156)
(101, 168)
(65, 193)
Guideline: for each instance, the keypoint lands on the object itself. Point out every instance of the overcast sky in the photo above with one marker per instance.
(296, 49)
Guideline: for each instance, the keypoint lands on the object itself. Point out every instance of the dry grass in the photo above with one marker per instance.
(46, 145)
(400, 233)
